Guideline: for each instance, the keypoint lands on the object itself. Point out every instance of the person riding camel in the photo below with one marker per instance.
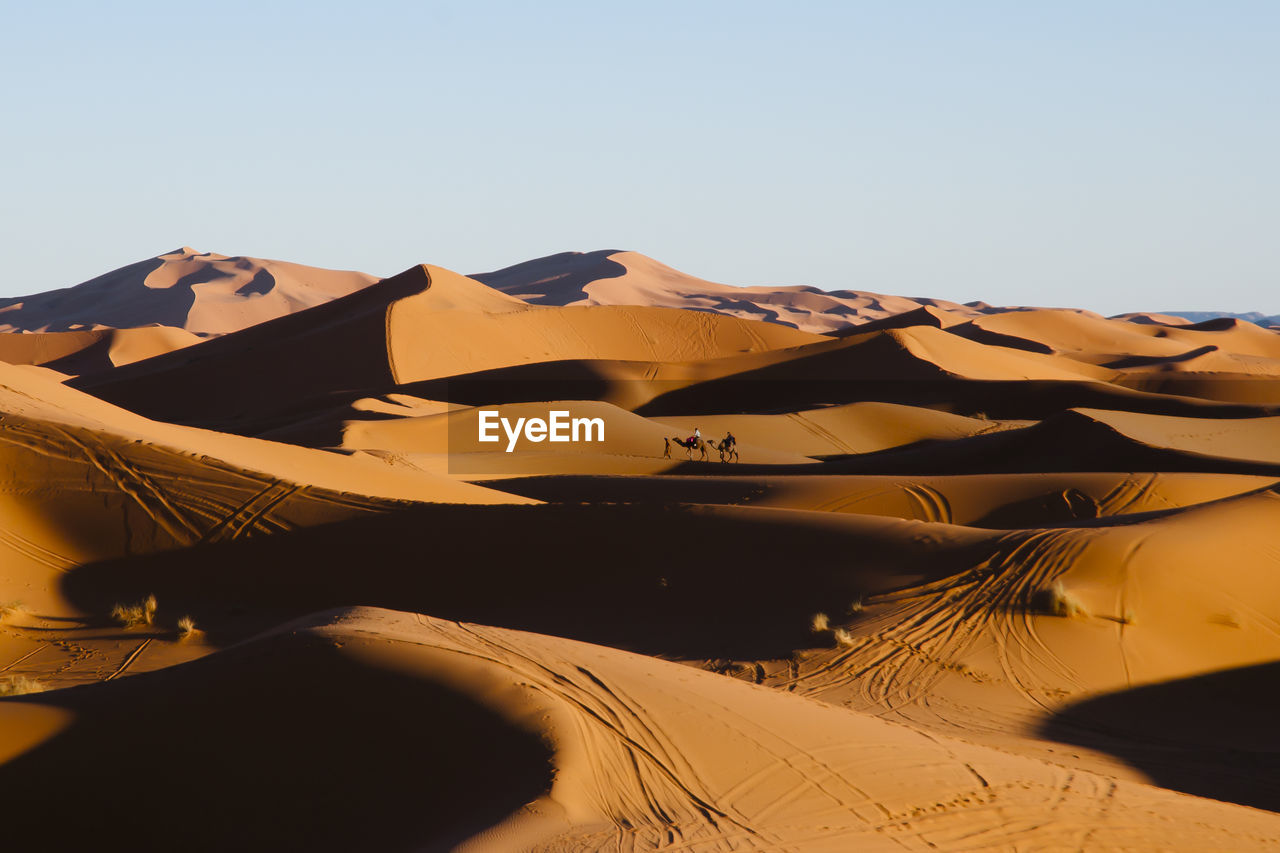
(697, 436)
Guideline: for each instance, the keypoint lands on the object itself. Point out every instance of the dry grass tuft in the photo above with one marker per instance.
(19, 685)
(187, 629)
(9, 608)
(820, 623)
(843, 637)
(857, 606)
(134, 615)
(1057, 600)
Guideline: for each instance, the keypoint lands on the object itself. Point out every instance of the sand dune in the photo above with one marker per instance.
(75, 353)
(976, 577)
(582, 747)
(83, 480)
(1087, 440)
(200, 292)
(611, 277)
(417, 326)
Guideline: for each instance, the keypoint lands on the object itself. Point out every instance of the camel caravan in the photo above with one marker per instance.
(727, 447)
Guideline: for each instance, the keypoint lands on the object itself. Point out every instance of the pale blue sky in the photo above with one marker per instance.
(1115, 155)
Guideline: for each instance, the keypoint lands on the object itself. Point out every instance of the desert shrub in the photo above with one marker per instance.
(19, 685)
(187, 628)
(133, 615)
(1057, 600)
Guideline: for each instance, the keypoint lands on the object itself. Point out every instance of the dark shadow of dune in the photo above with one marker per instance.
(225, 382)
(1217, 324)
(671, 580)
(1131, 361)
(1212, 735)
(1069, 442)
(318, 421)
(736, 307)
(556, 279)
(1068, 507)
(262, 283)
(977, 334)
(922, 316)
(1048, 510)
(776, 391)
(92, 359)
(118, 299)
(1234, 388)
(1066, 442)
(569, 488)
(202, 275)
(281, 744)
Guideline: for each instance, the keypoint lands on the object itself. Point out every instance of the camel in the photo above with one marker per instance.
(690, 444)
(728, 449)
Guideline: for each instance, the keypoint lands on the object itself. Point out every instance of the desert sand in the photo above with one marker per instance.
(971, 577)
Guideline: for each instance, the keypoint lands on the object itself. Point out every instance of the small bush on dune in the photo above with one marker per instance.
(821, 624)
(1057, 600)
(187, 629)
(133, 615)
(19, 685)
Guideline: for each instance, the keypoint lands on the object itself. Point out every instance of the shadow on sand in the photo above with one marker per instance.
(1212, 735)
(687, 582)
(287, 743)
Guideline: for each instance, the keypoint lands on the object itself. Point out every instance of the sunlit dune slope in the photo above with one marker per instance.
(536, 742)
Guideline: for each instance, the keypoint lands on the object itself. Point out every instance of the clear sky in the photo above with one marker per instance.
(1116, 155)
